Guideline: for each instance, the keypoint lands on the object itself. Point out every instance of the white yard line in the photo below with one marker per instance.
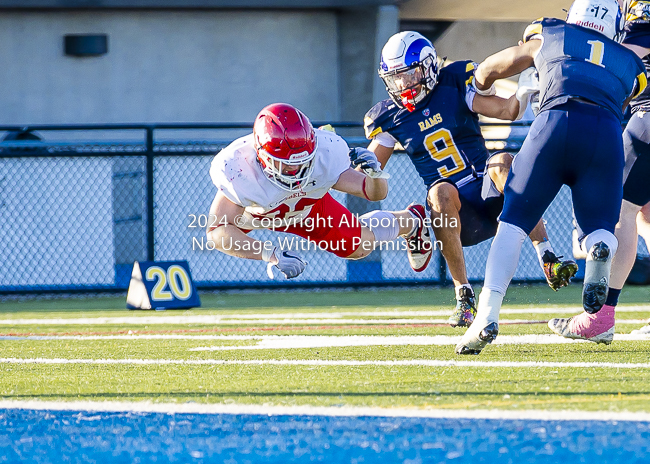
(304, 318)
(333, 411)
(326, 363)
(225, 321)
(296, 342)
(289, 321)
(321, 341)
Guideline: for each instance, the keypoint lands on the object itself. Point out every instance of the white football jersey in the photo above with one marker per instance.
(237, 173)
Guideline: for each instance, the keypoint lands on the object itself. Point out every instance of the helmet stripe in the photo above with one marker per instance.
(412, 54)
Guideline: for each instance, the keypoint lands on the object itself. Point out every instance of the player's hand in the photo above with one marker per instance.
(289, 264)
(527, 90)
(368, 162)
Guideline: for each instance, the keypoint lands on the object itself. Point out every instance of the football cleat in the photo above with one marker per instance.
(597, 328)
(465, 310)
(558, 273)
(645, 330)
(475, 344)
(419, 243)
(595, 288)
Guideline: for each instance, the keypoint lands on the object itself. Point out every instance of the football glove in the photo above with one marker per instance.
(289, 264)
(528, 88)
(368, 162)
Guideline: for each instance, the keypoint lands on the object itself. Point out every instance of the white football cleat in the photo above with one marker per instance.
(420, 247)
(476, 339)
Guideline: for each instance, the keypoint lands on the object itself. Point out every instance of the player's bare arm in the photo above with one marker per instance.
(361, 185)
(223, 231)
(382, 152)
(497, 107)
(506, 63)
(638, 49)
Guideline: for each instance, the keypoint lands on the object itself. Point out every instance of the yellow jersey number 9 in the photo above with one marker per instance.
(449, 152)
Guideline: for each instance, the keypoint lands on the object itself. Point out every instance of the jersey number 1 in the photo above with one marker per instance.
(597, 52)
(443, 136)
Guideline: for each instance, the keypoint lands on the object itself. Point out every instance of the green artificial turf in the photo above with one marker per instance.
(465, 387)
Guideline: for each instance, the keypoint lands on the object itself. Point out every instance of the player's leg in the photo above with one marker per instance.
(558, 272)
(596, 196)
(534, 180)
(643, 223)
(635, 192)
(445, 205)
(418, 238)
(334, 228)
(627, 235)
(643, 228)
(384, 226)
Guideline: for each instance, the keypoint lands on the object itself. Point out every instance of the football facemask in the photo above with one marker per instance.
(408, 86)
(291, 174)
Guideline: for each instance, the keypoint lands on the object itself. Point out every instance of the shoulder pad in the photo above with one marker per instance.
(376, 118)
(462, 71)
(534, 28)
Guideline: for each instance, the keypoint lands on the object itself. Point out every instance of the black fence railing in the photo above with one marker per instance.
(80, 203)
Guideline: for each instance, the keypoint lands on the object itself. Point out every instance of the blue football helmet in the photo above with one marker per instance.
(409, 68)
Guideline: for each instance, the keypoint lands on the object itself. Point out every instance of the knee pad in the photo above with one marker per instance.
(600, 235)
(382, 224)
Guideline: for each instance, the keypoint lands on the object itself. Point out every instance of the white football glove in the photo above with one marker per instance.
(289, 264)
(368, 162)
(528, 88)
(486, 93)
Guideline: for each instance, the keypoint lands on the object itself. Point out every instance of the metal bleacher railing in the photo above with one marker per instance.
(80, 203)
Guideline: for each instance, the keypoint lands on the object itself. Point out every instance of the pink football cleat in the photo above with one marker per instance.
(598, 328)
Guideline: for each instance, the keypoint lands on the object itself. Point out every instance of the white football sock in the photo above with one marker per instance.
(489, 306)
(595, 271)
(600, 235)
(503, 257)
(384, 225)
(542, 248)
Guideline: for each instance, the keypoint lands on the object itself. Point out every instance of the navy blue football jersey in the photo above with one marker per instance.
(637, 32)
(576, 62)
(442, 136)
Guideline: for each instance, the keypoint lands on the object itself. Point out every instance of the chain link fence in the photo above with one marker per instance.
(80, 204)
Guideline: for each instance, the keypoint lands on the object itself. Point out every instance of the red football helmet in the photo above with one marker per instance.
(286, 145)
